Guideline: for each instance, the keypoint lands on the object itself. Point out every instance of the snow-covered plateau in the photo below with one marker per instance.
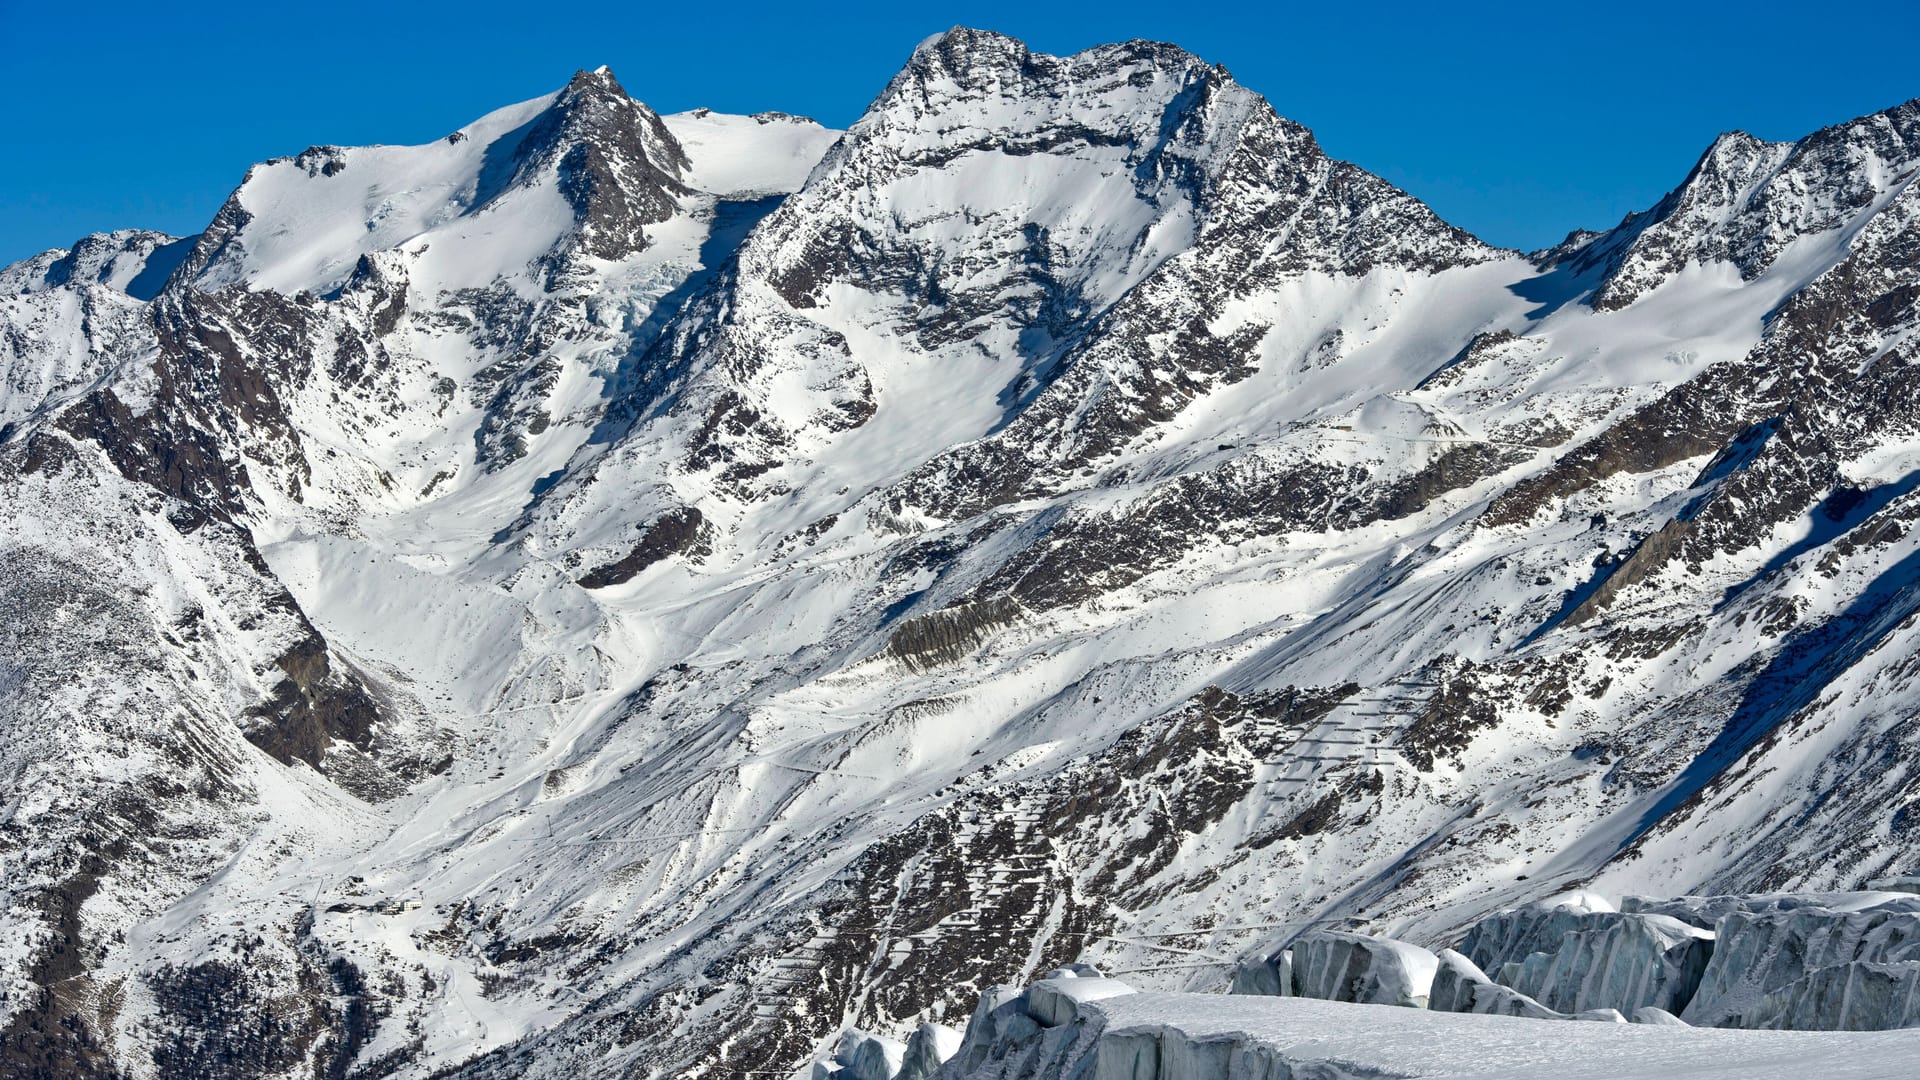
(611, 594)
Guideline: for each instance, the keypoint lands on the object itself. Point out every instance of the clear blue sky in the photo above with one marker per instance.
(1516, 122)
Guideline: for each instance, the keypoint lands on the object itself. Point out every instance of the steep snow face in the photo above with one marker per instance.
(1003, 227)
(1082, 519)
(303, 222)
(1010, 271)
(70, 318)
(989, 203)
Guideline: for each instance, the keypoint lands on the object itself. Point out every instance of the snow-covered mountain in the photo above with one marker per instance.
(613, 594)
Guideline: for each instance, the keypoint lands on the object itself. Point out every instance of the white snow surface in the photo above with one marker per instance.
(1258, 1038)
(747, 156)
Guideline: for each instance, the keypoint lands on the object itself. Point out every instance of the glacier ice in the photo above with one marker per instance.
(1907, 883)
(1852, 966)
(1454, 979)
(1269, 976)
(928, 1048)
(1705, 911)
(862, 1056)
(999, 1021)
(1339, 966)
(1857, 996)
(1814, 961)
(1572, 957)
(1460, 986)
(1055, 1001)
(1158, 1036)
(1835, 961)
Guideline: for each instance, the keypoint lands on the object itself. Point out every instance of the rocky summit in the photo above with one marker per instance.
(612, 594)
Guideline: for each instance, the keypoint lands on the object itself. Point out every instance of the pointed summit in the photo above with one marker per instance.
(1747, 200)
(618, 165)
(965, 51)
(610, 157)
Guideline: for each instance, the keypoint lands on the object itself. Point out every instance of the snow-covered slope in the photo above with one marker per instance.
(676, 587)
(71, 318)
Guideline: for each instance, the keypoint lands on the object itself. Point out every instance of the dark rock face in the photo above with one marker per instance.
(311, 707)
(218, 239)
(618, 165)
(1459, 708)
(947, 635)
(48, 1037)
(220, 1030)
(678, 532)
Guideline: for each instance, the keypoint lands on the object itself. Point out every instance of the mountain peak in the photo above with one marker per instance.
(986, 60)
(600, 80)
(593, 106)
(611, 158)
(618, 165)
(1747, 200)
(1075, 506)
(965, 43)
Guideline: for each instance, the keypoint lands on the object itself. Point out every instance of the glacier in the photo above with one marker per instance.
(1169, 1036)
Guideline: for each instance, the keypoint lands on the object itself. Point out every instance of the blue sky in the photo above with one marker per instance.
(1517, 122)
